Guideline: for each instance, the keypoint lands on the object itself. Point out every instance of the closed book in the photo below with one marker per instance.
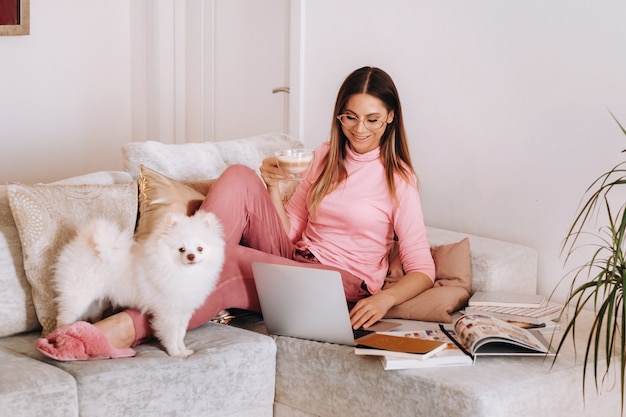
(506, 299)
(379, 344)
(447, 357)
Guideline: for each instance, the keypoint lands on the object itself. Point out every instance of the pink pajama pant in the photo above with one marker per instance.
(254, 233)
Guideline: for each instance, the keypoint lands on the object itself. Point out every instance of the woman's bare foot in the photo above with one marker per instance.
(119, 329)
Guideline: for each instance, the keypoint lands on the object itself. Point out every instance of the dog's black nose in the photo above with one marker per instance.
(191, 256)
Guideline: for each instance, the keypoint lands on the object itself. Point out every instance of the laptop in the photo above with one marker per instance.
(307, 303)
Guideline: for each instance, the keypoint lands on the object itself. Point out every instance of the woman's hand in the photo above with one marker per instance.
(369, 310)
(271, 173)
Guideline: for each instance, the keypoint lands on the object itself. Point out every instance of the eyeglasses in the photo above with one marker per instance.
(351, 121)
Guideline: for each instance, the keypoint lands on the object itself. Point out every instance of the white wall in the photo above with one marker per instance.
(506, 103)
(65, 97)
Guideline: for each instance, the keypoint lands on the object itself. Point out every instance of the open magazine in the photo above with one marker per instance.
(488, 336)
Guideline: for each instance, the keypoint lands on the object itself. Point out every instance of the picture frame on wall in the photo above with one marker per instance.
(14, 17)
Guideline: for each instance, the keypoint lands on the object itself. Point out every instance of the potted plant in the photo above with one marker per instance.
(599, 283)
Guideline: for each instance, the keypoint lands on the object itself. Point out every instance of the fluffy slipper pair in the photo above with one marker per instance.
(79, 341)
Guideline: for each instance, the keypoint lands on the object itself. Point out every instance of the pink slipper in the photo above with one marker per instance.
(79, 341)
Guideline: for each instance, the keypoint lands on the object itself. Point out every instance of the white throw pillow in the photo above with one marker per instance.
(182, 162)
(188, 162)
(252, 150)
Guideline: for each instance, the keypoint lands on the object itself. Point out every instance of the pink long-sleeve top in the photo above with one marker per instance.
(353, 228)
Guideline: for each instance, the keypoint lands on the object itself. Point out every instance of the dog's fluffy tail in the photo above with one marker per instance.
(105, 238)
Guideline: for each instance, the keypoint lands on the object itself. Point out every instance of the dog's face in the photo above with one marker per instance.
(191, 253)
(192, 240)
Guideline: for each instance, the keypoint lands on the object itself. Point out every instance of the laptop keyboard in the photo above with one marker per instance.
(358, 333)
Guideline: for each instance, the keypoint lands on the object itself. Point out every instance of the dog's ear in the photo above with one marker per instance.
(210, 219)
(193, 206)
(171, 219)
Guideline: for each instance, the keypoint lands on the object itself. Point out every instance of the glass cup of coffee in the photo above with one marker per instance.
(294, 162)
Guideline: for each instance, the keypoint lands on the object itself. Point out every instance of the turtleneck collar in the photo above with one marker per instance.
(362, 157)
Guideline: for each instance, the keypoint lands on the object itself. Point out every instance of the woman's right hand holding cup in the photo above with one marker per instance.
(271, 173)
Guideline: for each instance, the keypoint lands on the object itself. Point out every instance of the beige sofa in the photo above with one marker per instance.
(239, 370)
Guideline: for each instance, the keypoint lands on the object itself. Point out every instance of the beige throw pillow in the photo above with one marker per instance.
(451, 290)
(453, 265)
(47, 216)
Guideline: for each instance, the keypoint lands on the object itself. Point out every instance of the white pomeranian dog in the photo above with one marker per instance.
(168, 274)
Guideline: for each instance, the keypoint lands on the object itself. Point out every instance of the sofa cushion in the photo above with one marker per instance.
(29, 387)
(17, 310)
(451, 290)
(184, 162)
(46, 217)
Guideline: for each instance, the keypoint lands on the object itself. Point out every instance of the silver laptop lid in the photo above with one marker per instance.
(301, 302)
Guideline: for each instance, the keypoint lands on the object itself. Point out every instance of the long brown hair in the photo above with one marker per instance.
(394, 149)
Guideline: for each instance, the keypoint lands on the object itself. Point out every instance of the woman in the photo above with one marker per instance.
(358, 196)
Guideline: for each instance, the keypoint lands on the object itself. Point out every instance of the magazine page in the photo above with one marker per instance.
(475, 331)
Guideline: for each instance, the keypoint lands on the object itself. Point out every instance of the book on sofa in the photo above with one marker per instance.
(406, 346)
(505, 299)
